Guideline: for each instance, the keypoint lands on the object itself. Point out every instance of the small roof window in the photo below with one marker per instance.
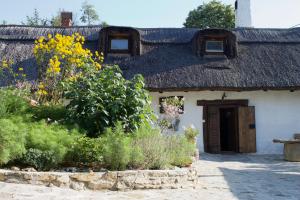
(214, 46)
(119, 44)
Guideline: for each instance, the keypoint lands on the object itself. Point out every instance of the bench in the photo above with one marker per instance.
(291, 148)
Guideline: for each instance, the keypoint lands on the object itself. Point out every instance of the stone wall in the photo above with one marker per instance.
(126, 180)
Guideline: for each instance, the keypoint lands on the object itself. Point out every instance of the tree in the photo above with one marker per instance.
(89, 13)
(36, 20)
(214, 14)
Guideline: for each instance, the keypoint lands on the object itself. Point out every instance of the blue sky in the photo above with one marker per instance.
(151, 13)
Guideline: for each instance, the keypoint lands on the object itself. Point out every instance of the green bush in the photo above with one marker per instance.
(180, 150)
(49, 112)
(86, 150)
(12, 102)
(51, 137)
(99, 100)
(40, 160)
(191, 133)
(117, 148)
(151, 147)
(12, 139)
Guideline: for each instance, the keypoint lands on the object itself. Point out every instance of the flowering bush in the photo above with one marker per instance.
(62, 59)
(7, 70)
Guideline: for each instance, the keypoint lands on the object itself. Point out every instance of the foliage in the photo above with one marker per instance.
(214, 14)
(99, 100)
(191, 133)
(61, 59)
(117, 148)
(12, 102)
(86, 150)
(89, 13)
(40, 160)
(50, 138)
(12, 139)
(7, 70)
(151, 149)
(50, 113)
(180, 150)
(35, 19)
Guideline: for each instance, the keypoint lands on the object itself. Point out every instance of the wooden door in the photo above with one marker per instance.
(213, 129)
(247, 129)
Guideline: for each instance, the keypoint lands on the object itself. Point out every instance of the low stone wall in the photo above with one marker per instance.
(125, 180)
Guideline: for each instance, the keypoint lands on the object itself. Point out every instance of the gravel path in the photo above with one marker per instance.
(221, 177)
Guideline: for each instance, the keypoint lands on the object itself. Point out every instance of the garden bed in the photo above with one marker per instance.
(117, 180)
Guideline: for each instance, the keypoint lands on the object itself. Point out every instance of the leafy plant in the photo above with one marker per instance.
(98, 101)
(116, 148)
(40, 160)
(12, 102)
(12, 139)
(180, 150)
(191, 133)
(87, 150)
(50, 137)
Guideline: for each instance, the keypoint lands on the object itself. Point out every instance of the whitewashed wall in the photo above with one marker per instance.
(277, 114)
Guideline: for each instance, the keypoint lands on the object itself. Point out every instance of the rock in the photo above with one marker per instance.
(77, 186)
(14, 168)
(29, 169)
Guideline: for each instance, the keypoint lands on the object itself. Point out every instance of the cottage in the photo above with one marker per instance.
(240, 86)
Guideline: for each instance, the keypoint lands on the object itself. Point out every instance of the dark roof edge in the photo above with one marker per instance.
(234, 89)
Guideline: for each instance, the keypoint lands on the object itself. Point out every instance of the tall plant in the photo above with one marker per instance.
(99, 100)
(61, 59)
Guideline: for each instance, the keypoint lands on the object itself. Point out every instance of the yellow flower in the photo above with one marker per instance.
(21, 69)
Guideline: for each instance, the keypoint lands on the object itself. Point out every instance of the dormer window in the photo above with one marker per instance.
(215, 42)
(120, 41)
(214, 46)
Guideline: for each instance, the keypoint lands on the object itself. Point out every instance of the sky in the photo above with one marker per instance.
(150, 13)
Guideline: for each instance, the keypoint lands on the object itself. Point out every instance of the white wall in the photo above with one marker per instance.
(243, 15)
(277, 114)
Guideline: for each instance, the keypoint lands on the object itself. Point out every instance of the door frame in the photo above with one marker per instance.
(220, 104)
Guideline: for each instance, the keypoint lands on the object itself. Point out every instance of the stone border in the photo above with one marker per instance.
(121, 180)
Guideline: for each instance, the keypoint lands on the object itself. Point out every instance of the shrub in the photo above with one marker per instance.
(49, 112)
(86, 150)
(12, 139)
(117, 148)
(50, 138)
(40, 160)
(191, 133)
(180, 150)
(12, 102)
(99, 100)
(152, 149)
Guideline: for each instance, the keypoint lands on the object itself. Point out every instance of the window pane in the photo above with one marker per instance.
(119, 44)
(214, 46)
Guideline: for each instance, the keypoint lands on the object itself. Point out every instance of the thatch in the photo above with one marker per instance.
(266, 58)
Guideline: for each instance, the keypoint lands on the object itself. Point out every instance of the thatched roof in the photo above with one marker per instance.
(266, 58)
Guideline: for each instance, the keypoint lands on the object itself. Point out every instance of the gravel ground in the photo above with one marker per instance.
(221, 177)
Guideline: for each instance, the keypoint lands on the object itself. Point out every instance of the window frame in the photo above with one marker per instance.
(119, 37)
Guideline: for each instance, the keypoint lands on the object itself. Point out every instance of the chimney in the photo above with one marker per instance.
(66, 19)
(243, 16)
